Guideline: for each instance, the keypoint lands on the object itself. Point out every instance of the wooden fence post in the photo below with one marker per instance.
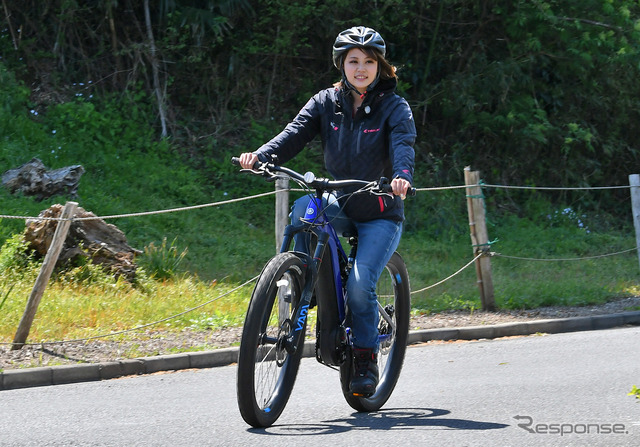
(479, 237)
(42, 280)
(282, 209)
(634, 181)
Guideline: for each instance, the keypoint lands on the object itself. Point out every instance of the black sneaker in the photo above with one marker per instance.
(365, 372)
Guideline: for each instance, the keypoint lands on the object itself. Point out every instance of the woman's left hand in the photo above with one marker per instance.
(400, 187)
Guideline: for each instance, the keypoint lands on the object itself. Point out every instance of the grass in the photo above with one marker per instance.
(80, 304)
(71, 311)
(538, 280)
(215, 249)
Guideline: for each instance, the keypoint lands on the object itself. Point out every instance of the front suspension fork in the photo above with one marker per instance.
(312, 265)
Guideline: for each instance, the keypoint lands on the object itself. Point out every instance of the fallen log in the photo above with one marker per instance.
(34, 179)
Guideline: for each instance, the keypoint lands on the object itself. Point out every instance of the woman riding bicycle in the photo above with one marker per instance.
(367, 132)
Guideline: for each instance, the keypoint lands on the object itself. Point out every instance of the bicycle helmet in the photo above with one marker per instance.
(358, 36)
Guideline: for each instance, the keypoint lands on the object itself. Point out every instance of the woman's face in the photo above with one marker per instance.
(360, 69)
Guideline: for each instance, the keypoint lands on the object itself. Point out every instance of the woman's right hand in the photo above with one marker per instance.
(247, 160)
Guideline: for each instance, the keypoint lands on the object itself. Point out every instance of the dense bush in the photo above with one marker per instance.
(127, 170)
(528, 92)
(540, 92)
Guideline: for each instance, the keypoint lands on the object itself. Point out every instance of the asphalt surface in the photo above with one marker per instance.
(552, 390)
(85, 372)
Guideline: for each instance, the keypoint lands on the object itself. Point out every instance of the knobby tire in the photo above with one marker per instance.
(266, 371)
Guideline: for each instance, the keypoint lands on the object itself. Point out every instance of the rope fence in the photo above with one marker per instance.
(551, 188)
(144, 213)
(270, 193)
(482, 249)
(585, 258)
(137, 328)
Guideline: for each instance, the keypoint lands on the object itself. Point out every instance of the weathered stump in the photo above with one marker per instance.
(104, 244)
(33, 179)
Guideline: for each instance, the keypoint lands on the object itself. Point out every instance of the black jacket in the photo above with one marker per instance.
(377, 141)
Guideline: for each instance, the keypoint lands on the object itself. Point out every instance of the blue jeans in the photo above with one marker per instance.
(377, 241)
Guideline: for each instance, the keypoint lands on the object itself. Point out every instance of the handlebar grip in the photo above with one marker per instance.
(236, 161)
(386, 187)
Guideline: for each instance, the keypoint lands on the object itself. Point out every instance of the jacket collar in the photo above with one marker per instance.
(371, 98)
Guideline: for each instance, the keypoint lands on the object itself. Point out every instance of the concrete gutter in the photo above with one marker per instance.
(85, 372)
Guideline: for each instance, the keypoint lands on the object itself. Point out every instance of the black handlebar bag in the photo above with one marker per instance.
(365, 206)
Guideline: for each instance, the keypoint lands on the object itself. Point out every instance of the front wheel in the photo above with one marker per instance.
(266, 370)
(394, 305)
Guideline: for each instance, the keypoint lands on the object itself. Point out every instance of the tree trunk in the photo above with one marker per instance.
(156, 72)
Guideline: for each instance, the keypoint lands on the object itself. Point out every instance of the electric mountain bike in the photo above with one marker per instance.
(293, 283)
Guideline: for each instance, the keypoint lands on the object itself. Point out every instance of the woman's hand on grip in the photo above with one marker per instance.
(400, 187)
(247, 160)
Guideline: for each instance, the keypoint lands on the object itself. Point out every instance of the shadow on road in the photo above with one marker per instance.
(388, 419)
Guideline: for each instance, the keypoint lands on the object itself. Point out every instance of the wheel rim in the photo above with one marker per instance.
(271, 355)
(386, 292)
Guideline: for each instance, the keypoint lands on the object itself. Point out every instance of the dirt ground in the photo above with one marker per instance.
(150, 343)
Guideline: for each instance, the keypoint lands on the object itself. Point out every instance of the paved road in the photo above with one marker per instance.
(455, 393)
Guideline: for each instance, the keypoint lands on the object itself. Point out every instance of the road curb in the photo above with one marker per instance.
(549, 326)
(85, 372)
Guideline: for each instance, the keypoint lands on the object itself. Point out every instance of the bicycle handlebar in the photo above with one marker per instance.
(310, 179)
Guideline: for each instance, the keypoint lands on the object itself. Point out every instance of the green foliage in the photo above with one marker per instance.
(15, 255)
(162, 262)
(635, 391)
(532, 93)
(86, 274)
(128, 171)
(550, 257)
(13, 92)
(442, 214)
(528, 92)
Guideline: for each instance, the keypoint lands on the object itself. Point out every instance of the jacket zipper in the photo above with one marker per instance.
(358, 139)
(341, 141)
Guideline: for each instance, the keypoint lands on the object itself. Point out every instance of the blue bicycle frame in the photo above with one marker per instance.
(324, 276)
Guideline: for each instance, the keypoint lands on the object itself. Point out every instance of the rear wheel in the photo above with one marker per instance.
(394, 305)
(266, 370)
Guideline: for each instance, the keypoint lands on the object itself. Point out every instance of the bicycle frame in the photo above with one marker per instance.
(323, 276)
